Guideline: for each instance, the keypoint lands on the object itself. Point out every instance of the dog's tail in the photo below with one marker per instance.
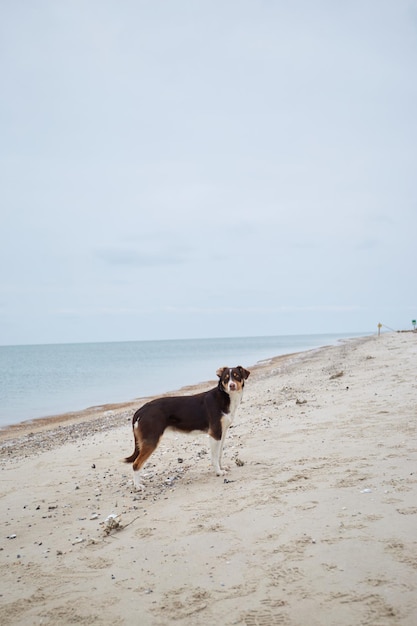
(132, 457)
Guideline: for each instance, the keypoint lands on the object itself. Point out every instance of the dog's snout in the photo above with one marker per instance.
(232, 385)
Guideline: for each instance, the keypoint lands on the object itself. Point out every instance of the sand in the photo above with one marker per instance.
(315, 524)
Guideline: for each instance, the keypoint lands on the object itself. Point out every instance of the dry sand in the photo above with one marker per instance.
(315, 525)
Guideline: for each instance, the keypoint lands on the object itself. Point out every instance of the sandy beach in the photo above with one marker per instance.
(315, 524)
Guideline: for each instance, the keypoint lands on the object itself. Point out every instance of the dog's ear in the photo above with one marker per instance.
(220, 371)
(244, 373)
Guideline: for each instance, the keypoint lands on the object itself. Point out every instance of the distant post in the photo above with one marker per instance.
(379, 328)
(414, 322)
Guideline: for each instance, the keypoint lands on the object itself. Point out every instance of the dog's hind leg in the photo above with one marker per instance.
(146, 449)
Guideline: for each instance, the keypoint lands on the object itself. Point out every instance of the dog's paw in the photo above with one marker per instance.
(225, 468)
(137, 485)
(221, 472)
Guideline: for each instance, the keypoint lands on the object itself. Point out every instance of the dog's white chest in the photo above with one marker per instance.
(235, 400)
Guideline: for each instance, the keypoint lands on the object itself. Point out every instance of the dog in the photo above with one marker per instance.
(211, 412)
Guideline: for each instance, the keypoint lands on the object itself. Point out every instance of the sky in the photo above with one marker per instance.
(206, 168)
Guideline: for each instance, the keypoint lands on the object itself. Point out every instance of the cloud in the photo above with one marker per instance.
(116, 310)
(367, 244)
(222, 310)
(142, 256)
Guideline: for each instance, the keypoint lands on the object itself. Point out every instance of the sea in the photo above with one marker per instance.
(44, 380)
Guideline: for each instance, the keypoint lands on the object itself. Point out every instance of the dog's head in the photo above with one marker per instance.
(232, 378)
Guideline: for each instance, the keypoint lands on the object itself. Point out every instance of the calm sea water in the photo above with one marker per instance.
(43, 380)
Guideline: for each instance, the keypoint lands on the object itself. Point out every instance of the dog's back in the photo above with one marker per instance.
(185, 413)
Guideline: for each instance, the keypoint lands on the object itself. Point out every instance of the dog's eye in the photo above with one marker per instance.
(226, 378)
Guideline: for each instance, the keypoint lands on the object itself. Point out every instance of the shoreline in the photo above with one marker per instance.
(119, 410)
(65, 406)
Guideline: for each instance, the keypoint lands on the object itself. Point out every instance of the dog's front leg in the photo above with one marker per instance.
(217, 454)
(216, 449)
(224, 468)
(226, 422)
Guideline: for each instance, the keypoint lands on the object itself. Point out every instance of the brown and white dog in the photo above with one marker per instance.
(211, 412)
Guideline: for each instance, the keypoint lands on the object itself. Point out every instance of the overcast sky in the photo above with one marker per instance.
(174, 169)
